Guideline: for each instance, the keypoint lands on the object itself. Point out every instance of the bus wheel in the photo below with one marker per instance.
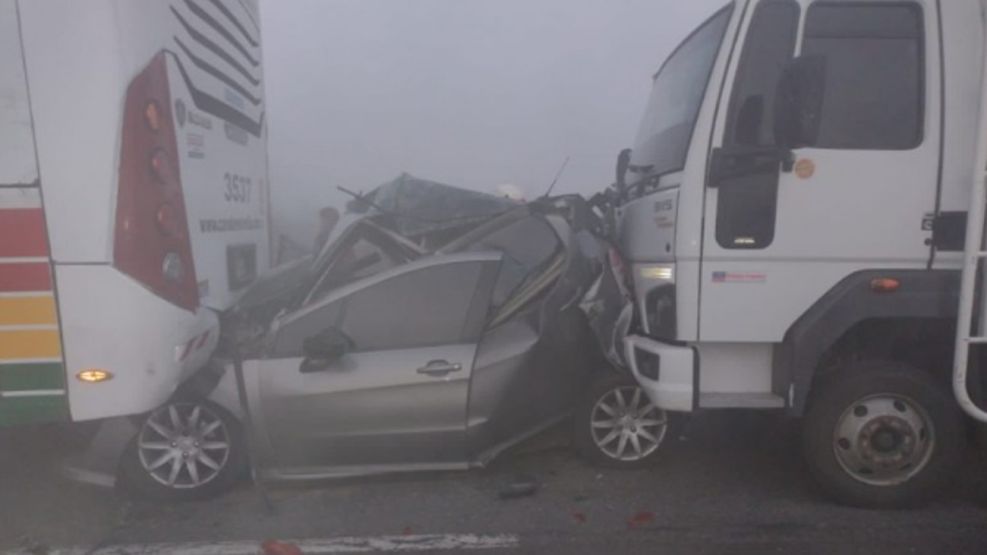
(616, 425)
(882, 435)
(186, 449)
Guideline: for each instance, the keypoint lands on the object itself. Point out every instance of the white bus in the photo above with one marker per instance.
(134, 199)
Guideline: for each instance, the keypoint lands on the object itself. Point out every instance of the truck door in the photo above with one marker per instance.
(774, 240)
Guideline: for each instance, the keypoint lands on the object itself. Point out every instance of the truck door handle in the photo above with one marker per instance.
(439, 368)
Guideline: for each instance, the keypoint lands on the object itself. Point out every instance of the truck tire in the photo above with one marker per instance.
(615, 425)
(882, 434)
(185, 450)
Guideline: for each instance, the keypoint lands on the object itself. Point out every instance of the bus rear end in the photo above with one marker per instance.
(148, 121)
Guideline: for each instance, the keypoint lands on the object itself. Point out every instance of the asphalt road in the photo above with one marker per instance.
(734, 483)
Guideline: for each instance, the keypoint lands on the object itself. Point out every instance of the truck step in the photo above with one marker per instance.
(740, 401)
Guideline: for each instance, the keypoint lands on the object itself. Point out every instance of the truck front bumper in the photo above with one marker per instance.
(667, 373)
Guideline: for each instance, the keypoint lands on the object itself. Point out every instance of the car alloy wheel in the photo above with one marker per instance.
(625, 425)
(184, 445)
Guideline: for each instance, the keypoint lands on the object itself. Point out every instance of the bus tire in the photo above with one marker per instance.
(185, 450)
(882, 434)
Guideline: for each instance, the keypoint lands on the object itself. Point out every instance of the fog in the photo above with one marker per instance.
(470, 93)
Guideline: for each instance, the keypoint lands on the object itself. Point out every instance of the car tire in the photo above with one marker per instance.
(882, 435)
(185, 450)
(625, 438)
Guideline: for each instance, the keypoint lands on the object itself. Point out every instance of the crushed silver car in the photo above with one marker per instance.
(401, 348)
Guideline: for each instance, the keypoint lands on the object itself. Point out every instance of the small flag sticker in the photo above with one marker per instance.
(739, 277)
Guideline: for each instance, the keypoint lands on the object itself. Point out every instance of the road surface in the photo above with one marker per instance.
(734, 483)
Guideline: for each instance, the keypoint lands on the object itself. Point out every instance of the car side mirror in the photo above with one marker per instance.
(324, 348)
(799, 101)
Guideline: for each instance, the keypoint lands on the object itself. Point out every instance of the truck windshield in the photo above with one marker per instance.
(666, 129)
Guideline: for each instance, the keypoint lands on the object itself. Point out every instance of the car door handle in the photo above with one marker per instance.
(438, 368)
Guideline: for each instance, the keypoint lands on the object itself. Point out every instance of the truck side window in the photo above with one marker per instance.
(747, 207)
(874, 64)
(770, 46)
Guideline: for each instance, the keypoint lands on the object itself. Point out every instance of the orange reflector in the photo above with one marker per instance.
(152, 116)
(94, 375)
(884, 285)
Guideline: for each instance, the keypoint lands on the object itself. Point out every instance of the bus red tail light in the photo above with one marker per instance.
(167, 221)
(151, 240)
(161, 168)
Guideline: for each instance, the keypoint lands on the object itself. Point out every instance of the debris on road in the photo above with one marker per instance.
(640, 519)
(274, 547)
(522, 486)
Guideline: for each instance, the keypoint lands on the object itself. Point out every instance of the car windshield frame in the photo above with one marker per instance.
(394, 245)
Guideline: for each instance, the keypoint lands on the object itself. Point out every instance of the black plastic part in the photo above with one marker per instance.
(949, 231)
(202, 383)
(932, 294)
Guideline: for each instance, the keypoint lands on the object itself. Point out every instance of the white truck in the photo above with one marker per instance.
(133, 197)
(794, 215)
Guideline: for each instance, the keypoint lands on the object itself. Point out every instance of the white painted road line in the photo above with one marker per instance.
(374, 544)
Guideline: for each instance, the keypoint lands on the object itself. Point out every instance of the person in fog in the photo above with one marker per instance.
(510, 192)
(328, 218)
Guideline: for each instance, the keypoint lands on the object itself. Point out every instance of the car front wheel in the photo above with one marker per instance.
(186, 449)
(616, 425)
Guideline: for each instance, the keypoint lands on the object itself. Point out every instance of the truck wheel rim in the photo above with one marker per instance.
(884, 440)
(183, 445)
(625, 425)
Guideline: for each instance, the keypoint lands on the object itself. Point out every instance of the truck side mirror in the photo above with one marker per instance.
(799, 102)
(324, 348)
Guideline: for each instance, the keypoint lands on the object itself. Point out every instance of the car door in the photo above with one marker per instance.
(532, 360)
(397, 399)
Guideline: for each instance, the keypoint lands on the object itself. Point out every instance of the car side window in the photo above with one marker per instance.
(875, 90)
(358, 257)
(528, 246)
(289, 338)
(423, 307)
(427, 306)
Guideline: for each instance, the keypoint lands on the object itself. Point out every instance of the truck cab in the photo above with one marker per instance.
(793, 212)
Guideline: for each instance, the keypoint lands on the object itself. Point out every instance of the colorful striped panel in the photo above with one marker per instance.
(22, 233)
(48, 376)
(32, 377)
(29, 344)
(31, 310)
(29, 276)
